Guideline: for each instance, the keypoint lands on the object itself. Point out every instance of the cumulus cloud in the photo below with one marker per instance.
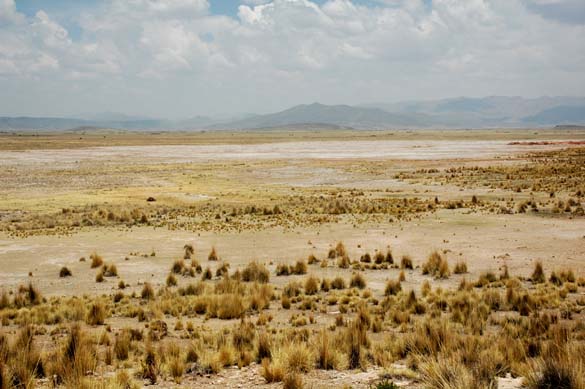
(176, 58)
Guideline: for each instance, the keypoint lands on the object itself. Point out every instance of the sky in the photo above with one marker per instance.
(183, 58)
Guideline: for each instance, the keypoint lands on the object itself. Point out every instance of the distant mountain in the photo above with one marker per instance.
(110, 121)
(447, 113)
(463, 112)
(564, 114)
(336, 115)
(489, 111)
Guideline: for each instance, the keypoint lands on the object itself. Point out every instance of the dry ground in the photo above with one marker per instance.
(277, 198)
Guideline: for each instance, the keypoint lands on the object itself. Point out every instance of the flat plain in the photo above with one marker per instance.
(310, 258)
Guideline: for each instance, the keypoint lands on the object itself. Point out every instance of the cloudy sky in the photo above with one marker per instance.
(181, 58)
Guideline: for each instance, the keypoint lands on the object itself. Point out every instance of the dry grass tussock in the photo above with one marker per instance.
(460, 335)
(436, 265)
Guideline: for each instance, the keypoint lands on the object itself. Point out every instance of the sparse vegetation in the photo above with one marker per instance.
(360, 306)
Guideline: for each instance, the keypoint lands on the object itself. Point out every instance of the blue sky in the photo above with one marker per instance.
(222, 7)
(66, 11)
(218, 7)
(177, 58)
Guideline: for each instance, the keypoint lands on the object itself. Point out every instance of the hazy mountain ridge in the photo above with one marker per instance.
(463, 112)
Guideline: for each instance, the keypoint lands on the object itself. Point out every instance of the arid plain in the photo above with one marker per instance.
(304, 258)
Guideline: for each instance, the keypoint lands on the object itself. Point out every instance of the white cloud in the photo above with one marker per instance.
(176, 58)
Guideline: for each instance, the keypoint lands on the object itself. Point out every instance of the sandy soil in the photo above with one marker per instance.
(378, 149)
(47, 179)
(485, 242)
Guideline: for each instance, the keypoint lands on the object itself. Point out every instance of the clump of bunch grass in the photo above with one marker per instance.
(189, 251)
(357, 281)
(436, 265)
(338, 251)
(255, 272)
(171, 280)
(96, 260)
(406, 262)
(538, 276)
(338, 283)
(300, 267)
(110, 270)
(460, 268)
(65, 272)
(392, 288)
(147, 292)
(311, 285)
(96, 314)
(213, 255)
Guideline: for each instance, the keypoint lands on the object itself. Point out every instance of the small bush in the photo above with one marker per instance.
(230, 306)
(460, 268)
(328, 357)
(392, 288)
(401, 276)
(292, 381)
(357, 281)
(343, 262)
(338, 283)
(189, 251)
(406, 262)
(150, 365)
(312, 260)
(65, 272)
(99, 277)
(436, 265)
(311, 285)
(297, 357)
(272, 371)
(96, 260)
(178, 266)
(255, 272)
(366, 258)
(213, 255)
(110, 270)
(379, 258)
(171, 280)
(300, 267)
(538, 276)
(96, 314)
(386, 385)
(207, 274)
(338, 251)
(283, 270)
(263, 348)
(147, 292)
(122, 345)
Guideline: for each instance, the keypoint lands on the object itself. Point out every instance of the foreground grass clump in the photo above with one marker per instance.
(213, 255)
(538, 276)
(96, 314)
(561, 365)
(392, 288)
(357, 281)
(436, 265)
(450, 335)
(406, 262)
(96, 260)
(255, 272)
(147, 292)
(460, 268)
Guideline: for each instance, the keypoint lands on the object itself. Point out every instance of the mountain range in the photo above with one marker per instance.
(463, 112)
